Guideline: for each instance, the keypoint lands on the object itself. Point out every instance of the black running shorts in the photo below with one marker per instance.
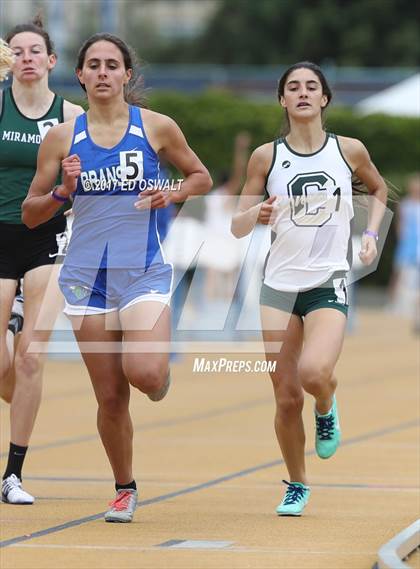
(23, 249)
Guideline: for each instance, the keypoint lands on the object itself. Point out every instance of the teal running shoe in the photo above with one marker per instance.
(328, 434)
(295, 499)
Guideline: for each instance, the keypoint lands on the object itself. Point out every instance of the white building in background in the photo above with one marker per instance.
(402, 99)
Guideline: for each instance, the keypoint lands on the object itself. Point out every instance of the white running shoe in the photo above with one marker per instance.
(159, 395)
(13, 493)
(123, 507)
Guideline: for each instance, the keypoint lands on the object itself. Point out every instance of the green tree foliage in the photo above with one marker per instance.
(359, 32)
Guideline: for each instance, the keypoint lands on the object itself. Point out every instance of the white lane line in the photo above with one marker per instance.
(233, 549)
(196, 544)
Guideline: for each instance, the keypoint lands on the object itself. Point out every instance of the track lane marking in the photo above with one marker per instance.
(204, 485)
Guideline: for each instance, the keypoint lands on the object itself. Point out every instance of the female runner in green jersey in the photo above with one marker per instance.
(27, 110)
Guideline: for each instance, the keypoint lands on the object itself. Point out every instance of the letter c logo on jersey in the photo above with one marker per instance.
(313, 198)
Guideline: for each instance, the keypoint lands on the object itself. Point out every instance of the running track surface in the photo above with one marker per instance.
(209, 470)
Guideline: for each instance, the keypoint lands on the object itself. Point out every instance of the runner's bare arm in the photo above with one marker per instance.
(169, 141)
(250, 209)
(359, 160)
(39, 205)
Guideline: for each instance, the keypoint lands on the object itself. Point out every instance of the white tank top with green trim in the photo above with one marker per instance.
(314, 209)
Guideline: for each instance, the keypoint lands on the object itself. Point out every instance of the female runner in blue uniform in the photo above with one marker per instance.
(115, 280)
(307, 176)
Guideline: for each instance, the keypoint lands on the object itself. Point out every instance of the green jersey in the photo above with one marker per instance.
(20, 138)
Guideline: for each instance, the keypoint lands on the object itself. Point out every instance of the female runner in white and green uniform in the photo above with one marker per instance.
(27, 110)
(307, 176)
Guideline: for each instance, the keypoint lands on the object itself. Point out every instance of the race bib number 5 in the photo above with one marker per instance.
(131, 163)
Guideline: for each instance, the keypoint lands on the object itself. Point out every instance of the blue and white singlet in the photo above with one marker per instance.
(108, 232)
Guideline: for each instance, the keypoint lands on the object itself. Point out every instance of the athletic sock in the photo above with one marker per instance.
(130, 486)
(15, 324)
(15, 461)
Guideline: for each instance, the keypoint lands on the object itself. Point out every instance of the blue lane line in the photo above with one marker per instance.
(205, 485)
(156, 424)
(144, 503)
